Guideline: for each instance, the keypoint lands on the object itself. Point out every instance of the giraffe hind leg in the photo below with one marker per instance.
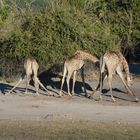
(74, 78)
(27, 84)
(36, 84)
(63, 79)
(42, 85)
(20, 80)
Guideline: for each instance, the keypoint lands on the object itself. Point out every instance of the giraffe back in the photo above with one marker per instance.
(85, 55)
(115, 59)
(111, 60)
(74, 63)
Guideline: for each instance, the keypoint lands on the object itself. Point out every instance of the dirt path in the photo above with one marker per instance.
(31, 107)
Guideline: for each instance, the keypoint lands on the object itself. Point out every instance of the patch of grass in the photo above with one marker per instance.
(67, 130)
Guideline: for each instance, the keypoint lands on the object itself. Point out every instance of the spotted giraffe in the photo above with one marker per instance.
(114, 62)
(72, 65)
(30, 70)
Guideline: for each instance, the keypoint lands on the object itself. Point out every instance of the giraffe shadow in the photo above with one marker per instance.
(5, 88)
(53, 82)
(117, 93)
(105, 91)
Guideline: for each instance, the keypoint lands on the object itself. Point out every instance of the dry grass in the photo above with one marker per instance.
(67, 130)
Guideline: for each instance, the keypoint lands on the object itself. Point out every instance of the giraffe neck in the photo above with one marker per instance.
(86, 56)
(125, 65)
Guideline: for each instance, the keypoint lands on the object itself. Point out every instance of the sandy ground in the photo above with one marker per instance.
(43, 107)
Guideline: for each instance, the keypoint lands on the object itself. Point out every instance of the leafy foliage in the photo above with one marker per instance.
(53, 30)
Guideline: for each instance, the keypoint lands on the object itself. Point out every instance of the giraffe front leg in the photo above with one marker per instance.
(119, 72)
(74, 78)
(110, 86)
(83, 82)
(68, 79)
(100, 85)
(36, 85)
(113, 99)
(63, 79)
(100, 97)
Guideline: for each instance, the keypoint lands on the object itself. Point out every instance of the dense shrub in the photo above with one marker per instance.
(52, 30)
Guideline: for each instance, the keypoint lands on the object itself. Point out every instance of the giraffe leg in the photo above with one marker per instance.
(119, 72)
(27, 84)
(63, 79)
(36, 84)
(42, 85)
(15, 86)
(74, 76)
(101, 85)
(104, 76)
(98, 86)
(68, 80)
(83, 80)
(102, 69)
(110, 86)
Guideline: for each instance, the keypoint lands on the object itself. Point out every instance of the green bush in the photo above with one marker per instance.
(53, 30)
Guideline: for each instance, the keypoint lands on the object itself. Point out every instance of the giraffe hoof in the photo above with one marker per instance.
(137, 99)
(59, 96)
(7, 93)
(90, 97)
(87, 96)
(98, 99)
(70, 95)
(60, 93)
(26, 93)
(113, 100)
(50, 94)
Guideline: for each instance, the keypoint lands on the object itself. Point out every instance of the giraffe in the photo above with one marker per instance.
(72, 65)
(30, 70)
(114, 62)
